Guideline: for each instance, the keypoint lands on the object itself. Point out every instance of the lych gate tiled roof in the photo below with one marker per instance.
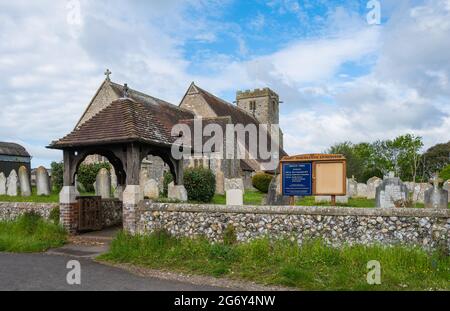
(13, 149)
(127, 120)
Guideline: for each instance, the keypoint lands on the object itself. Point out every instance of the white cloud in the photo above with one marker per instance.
(50, 69)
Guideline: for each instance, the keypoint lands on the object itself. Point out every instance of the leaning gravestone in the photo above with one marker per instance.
(417, 190)
(2, 184)
(352, 187)
(103, 184)
(372, 184)
(361, 190)
(151, 189)
(391, 190)
(274, 195)
(24, 180)
(447, 187)
(42, 181)
(11, 184)
(435, 197)
(177, 192)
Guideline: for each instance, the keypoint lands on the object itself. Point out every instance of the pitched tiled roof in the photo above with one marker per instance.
(13, 149)
(238, 115)
(127, 120)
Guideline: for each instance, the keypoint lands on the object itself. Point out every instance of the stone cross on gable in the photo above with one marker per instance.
(436, 180)
(107, 74)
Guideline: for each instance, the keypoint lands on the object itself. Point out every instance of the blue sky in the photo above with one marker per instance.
(339, 77)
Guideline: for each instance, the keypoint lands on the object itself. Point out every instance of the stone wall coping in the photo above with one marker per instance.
(27, 205)
(148, 205)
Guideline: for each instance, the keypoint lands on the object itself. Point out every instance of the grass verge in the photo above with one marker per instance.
(313, 266)
(30, 233)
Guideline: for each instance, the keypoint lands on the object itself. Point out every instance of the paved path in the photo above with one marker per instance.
(48, 272)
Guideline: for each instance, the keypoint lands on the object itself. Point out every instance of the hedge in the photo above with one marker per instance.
(261, 181)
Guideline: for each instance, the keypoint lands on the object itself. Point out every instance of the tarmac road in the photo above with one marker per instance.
(39, 272)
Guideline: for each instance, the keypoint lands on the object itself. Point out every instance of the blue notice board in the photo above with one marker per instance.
(297, 178)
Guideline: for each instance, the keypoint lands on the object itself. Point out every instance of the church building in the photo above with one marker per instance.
(260, 106)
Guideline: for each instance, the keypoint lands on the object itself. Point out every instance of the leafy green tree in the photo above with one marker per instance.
(445, 173)
(400, 155)
(435, 159)
(87, 174)
(57, 175)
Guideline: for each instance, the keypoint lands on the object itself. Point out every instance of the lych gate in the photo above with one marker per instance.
(125, 132)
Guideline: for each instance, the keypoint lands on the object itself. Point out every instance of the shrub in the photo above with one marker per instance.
(57, 175)
(168, 178)
(200, 184)
(87, 174)
(54, 215)
(229, 235)
(445, 173)
(261, 181)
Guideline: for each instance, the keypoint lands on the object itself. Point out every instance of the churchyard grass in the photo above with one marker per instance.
(312, 266)
(30, 233)
(53, 198)
(250, 198)
(352, 202)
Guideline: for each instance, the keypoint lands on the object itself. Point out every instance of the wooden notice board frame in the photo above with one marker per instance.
(317, 159)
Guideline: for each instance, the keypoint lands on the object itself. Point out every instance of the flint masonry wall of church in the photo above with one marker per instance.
(426, 228)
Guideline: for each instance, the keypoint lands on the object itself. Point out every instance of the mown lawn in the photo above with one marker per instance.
(250, 198)
(313, 266)
(53, 198)
(30, 233)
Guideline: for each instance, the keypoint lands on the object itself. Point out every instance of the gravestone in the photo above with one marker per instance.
(234, 183)
(435, 197)
(372, 184)
(24, 180)
(352, 187)
(178, 193)
(2, 184)
(114, 182)
(151, 189)
(220, 187)
(11, 184)
(417, 191)
(274, 195)
(103, 184)
(235, 197)
(118, 192)
(392, 190)
(447, 187)
(42, 181)
(361, 190)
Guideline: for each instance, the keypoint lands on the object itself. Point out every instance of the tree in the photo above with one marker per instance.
(360, 161)
(57, 175)
(435, 159)
(400, 155)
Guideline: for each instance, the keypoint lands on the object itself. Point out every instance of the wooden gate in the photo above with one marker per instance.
(90, 213)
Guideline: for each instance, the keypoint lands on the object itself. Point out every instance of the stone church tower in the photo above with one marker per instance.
(263, 104)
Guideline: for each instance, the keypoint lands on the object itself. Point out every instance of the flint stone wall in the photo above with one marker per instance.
(12, 210)
(336, 225)
(112, 212)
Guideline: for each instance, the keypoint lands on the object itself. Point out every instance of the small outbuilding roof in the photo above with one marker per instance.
(13, 149)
